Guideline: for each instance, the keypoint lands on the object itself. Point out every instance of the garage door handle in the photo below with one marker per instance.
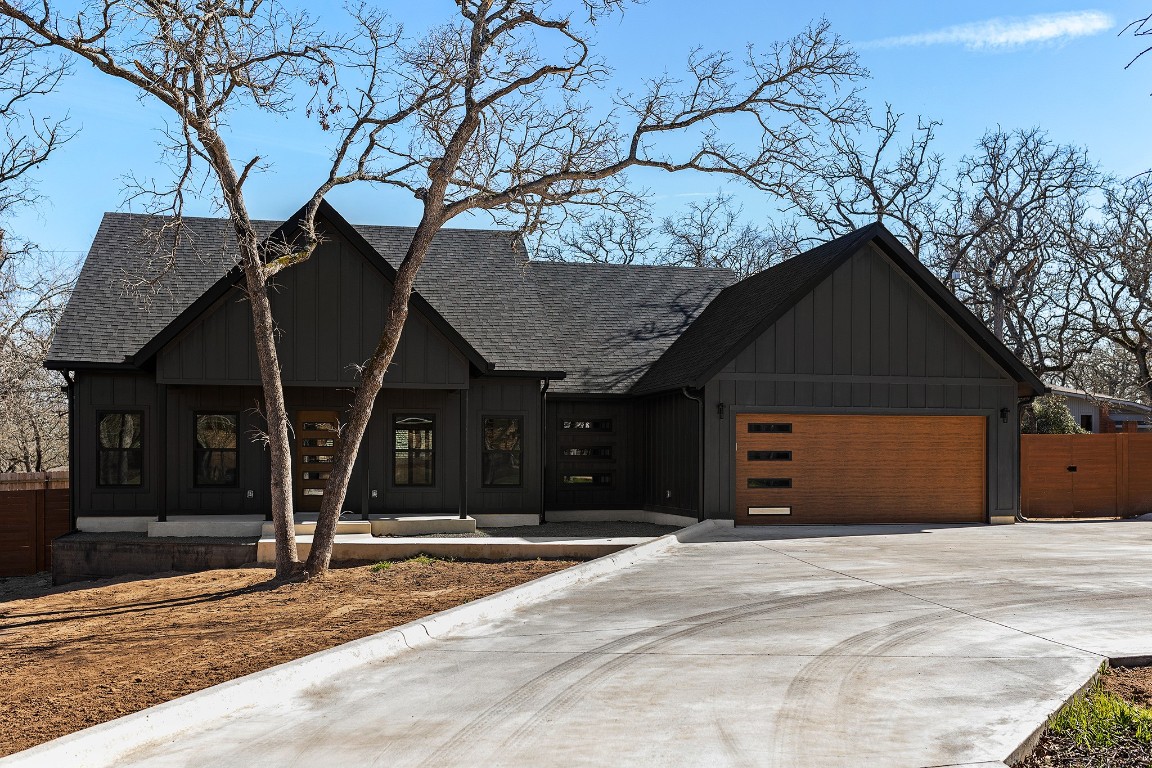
(1072, 468)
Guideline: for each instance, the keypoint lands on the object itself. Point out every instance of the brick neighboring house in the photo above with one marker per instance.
(1102, 414)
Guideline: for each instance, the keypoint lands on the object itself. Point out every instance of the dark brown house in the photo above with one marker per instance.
(844, 385)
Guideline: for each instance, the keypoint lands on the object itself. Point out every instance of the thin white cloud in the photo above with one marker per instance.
(1006, 33)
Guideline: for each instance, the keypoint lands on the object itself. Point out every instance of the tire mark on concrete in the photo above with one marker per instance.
(536, 696)
(575, 691)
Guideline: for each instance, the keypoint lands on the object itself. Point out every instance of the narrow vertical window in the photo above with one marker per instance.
(412, 449)
(501, 460)
(121, 453)
(214, 450)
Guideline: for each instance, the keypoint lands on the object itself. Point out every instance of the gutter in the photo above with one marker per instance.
(700, 453)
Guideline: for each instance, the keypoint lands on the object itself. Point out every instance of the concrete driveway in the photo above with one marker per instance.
(868, 646)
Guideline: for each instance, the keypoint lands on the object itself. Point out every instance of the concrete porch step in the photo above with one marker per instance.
(420, 525)
(365, 548)
(307, 526)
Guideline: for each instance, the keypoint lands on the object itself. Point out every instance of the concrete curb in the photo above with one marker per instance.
(1029, 744)
(108, 743)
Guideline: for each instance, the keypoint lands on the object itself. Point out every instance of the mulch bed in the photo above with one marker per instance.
(1060, 751)
(79, 655)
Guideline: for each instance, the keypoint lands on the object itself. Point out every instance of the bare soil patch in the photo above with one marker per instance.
(79, 655)
(1125, 749)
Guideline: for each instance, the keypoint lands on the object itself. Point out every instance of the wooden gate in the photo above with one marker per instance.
(1085, 475)
(33, 512)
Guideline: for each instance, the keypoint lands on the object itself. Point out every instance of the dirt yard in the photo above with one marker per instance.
(79, 655)
(1124, 748)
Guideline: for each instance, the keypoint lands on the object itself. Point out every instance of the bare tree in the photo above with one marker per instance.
(1108, 370)
(33, 286)
(1116, 279)
(1139, 28)
(201, 62)
(713, 233)
(869, 175)
(482, 114)
(509, 135)
(1001, 242)
(33, 410)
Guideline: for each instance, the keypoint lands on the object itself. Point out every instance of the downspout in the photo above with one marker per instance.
(700, 455)
(543, 443)
(1021, 404)
(70, 390)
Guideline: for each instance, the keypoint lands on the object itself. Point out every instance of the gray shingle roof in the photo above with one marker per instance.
(603, 325)
(724, 327)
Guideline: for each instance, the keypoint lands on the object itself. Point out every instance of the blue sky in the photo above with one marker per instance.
(973, 65)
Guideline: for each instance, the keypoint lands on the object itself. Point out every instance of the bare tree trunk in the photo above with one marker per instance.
(997, 312)
(276, 415)
(1145, 368)
(371, 381)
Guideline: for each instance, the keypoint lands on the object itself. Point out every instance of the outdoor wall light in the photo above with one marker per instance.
(1004, 415)
(720, 410)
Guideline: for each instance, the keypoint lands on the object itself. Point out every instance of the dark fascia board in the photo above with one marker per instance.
(80, 365)
(285, 232)
(879, 234)
(770, 319)
(959, 313)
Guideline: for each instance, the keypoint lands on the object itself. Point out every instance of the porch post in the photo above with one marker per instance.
(463, 453)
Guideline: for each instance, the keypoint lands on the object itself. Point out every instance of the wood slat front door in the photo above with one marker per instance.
(818, 469)
(317, 439)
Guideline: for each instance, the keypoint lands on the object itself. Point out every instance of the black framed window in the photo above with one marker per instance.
(413, 456)
(587, 481)
(120, 436)
(587, 452)
(502, 452)
(214, 451)
(776, 429)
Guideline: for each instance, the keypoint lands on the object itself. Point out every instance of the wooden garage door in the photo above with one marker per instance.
(859, 469)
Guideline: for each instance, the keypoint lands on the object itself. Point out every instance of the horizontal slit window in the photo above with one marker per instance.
(587, 481)
(769, 455)
(315, 475)
(313, 491)
(769, 482)
(319, 426)
(318, 442)
(776, 428)
(318, 458)
(588, 452)
(586, 425)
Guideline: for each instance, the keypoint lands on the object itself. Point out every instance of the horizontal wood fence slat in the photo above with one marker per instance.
(1106, 475)
(34, 510)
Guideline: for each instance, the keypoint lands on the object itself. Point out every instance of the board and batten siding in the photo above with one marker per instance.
(96, 392)
(866, 340)
(667, 440)
(496, 398)
(620, 492)
(329, 311)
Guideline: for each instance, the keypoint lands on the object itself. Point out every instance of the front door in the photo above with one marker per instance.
(317, 439)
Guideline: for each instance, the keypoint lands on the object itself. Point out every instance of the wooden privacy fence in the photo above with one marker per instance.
(33, 512)
(1086, 475)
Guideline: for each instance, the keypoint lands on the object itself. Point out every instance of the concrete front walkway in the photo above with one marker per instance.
(870, 646)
